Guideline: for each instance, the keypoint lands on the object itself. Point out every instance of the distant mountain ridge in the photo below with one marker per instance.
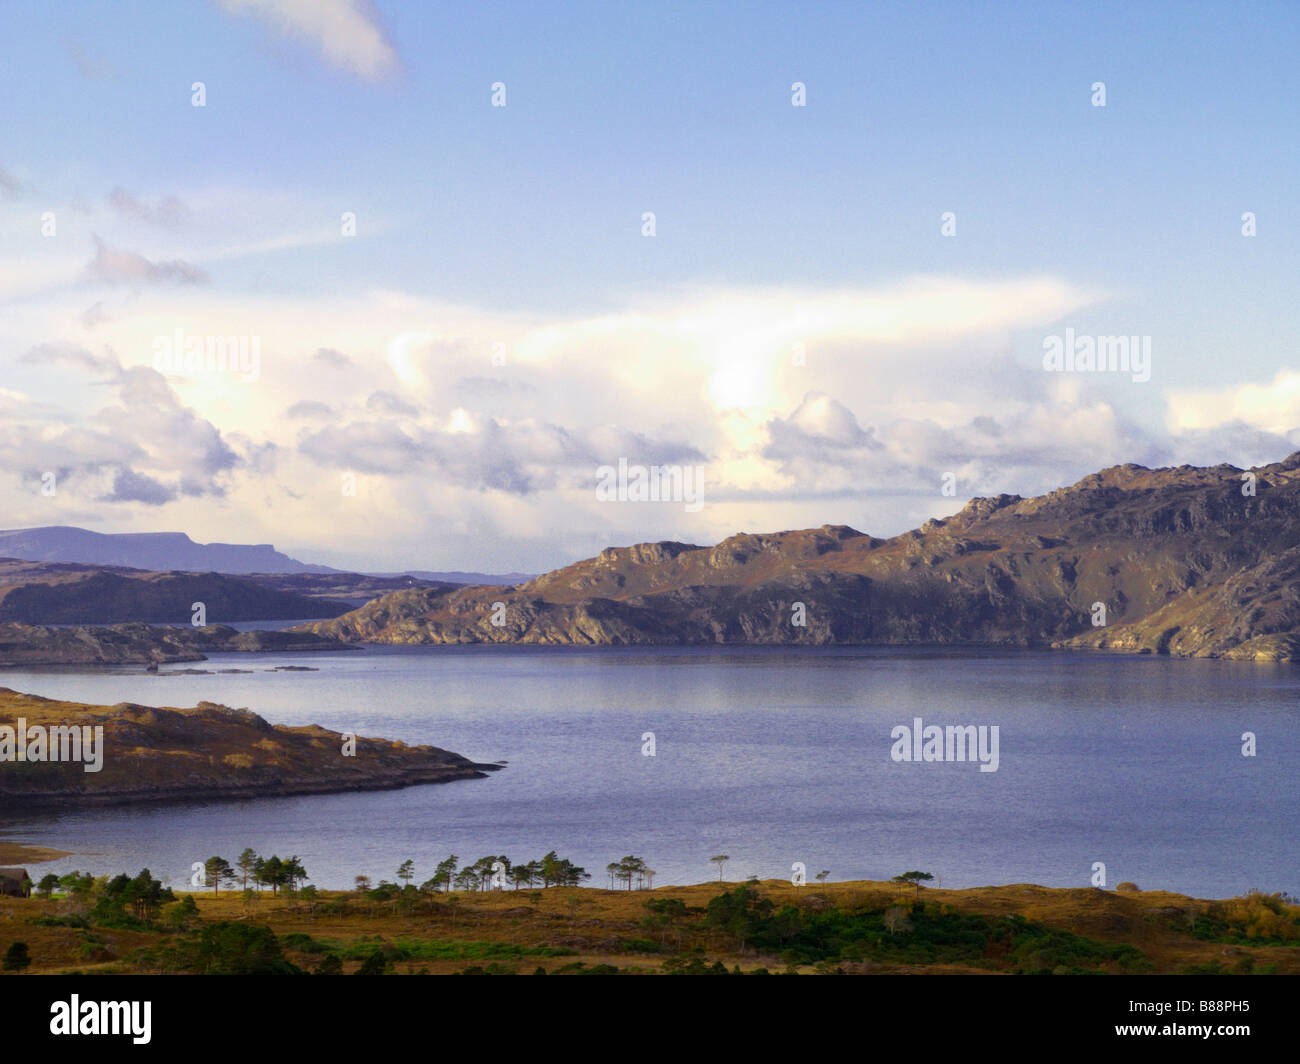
(158, 551)
(177, 552)
(1188, 561)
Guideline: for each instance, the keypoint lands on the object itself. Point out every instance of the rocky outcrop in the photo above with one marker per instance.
(207, 752)
(143, 644)
(1183, 560)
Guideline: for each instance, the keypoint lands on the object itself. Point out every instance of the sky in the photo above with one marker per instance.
(427, 225)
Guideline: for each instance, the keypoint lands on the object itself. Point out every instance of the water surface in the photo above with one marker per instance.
(769, 755)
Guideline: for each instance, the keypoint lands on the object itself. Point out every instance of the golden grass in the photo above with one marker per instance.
(592, 922)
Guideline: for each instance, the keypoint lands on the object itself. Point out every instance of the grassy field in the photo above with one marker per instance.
(852, 927)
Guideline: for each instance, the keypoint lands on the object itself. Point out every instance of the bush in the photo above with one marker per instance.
(375, 964)
(231, 948)
(16, 957)
(329, 965)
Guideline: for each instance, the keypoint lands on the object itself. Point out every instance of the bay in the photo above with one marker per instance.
(770, 755)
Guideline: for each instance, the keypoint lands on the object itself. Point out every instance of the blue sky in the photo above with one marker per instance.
(524, 223)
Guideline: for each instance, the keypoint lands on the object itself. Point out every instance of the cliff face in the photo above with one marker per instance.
(206, 752)
(1182, 560)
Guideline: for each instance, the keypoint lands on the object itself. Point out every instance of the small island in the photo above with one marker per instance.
(205, 752)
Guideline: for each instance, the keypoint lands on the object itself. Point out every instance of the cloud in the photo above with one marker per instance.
(9, 185)
(92, 67)
(346, 32)
(125, 267)
(174, 436)
(74, 355)
(485, 454)
(1272, 408)
(168, 211)
(94, 315)
(900, 385)
(1025, 447)
(308, 408)
(327, 356)
(821, 421)
(152, 447)
(388, 403)
(367, 447)
(136, 487)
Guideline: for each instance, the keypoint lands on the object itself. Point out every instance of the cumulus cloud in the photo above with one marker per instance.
(150, 446)
(136, 487)
(1272, 408)
(900, 384)
(113, 266)
(347, 33)
(485, 454)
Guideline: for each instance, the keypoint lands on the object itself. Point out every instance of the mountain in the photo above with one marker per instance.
(146, 550)
(59, 593)
(1188, 561)
(164, 551)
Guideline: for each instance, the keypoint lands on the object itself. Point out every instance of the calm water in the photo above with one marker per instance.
(771, 756)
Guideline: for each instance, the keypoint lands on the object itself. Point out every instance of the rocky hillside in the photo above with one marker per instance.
(1183, 561)
(207, 752)
(142, 644)
(59, 593)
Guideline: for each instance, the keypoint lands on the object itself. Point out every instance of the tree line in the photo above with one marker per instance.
(492, 872)
(274, 872)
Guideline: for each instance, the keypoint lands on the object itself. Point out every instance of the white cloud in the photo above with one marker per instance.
(464, 460)
(347, 32)
(1273, 407)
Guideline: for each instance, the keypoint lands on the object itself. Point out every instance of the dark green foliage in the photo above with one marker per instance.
(375, 964)
(232, 948)
(694, 962)
(59, 921)
(580, 968)
(933, 935)
(329, 965)
(304, 943)
(16, 957)
(492, 969)
(130, 903)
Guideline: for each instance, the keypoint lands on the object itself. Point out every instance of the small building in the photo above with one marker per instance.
(15, 882)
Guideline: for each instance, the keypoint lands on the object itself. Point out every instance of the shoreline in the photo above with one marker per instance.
(21, 853)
